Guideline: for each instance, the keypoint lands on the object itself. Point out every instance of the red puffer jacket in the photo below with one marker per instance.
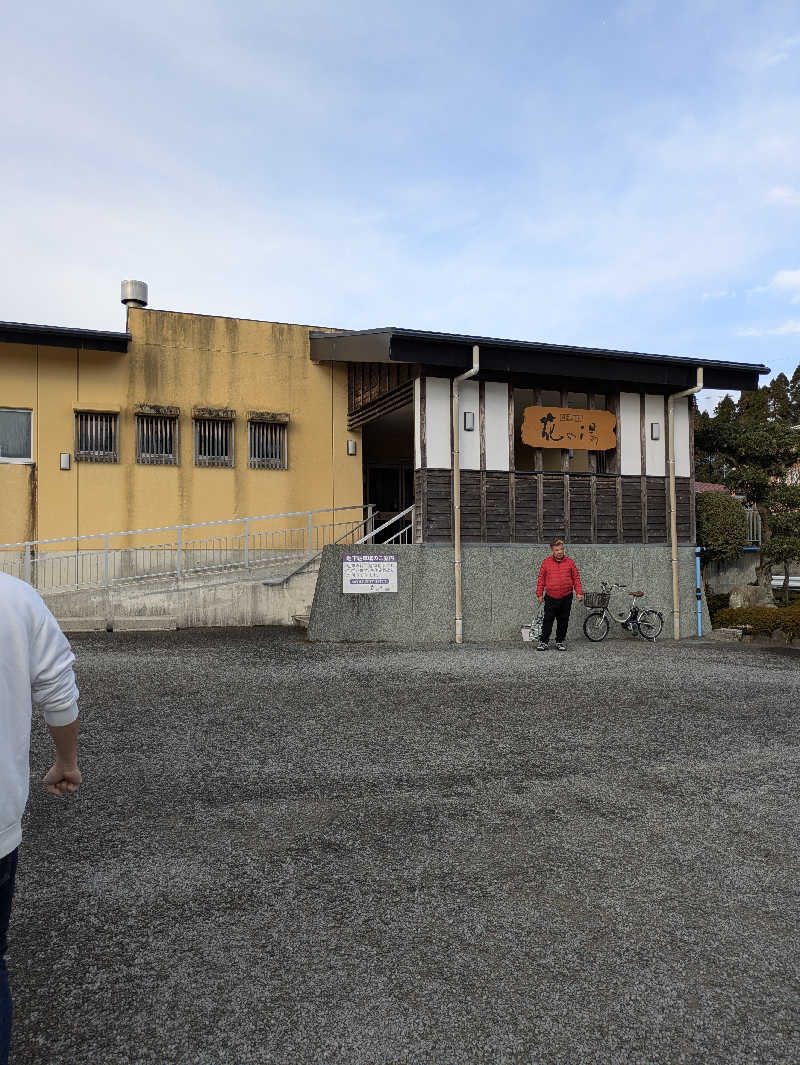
(558, 579)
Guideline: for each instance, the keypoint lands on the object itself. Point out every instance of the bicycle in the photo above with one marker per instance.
(646, 623)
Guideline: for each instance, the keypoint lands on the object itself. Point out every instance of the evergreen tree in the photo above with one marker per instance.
(755, 444)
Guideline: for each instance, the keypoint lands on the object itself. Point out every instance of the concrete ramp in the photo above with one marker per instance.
(269, 596)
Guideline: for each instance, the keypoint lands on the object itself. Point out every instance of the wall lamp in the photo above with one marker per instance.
(352, 447)
(64, 460)
(655, 431)
(469, 421)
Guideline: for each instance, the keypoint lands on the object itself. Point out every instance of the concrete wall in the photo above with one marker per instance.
(182, 360)
(499, 591)
(212, 600)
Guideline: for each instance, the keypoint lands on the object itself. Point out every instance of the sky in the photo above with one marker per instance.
(621, 175)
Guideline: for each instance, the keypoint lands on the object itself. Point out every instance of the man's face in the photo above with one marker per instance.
(558, 551)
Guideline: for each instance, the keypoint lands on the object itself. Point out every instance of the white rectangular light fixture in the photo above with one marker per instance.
(469, 421)
(352, 447)
(655, 431)
(64, 461)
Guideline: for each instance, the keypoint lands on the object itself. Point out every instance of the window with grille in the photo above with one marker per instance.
(96, 437)
(16, 438)
(157, 439)
(213, 441)
(267, 446)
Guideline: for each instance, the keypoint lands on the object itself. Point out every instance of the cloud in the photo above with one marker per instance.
(716, 294)
(783, 194)
(790, 328)
(776, 52)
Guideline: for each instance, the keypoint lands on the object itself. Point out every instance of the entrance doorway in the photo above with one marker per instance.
(388, 450)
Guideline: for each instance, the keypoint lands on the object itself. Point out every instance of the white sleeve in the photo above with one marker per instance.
(53, 685)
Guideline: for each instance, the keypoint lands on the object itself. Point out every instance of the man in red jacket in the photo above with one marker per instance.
(558, 575)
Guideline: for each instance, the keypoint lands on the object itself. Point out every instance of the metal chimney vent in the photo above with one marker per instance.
(134, 293)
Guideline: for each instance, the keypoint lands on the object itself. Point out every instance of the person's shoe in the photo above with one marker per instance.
(543, 646)
(561, 646)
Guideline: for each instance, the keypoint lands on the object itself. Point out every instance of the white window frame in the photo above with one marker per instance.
(29, 460)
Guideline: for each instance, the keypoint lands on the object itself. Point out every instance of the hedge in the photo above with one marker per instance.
(762, 620)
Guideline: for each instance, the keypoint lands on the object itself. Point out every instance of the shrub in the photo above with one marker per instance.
(717, 603)
(721, 527)
(762, 619)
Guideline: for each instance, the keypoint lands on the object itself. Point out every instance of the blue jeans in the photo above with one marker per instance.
(8, 869)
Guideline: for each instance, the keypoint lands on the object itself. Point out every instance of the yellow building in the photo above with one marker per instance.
(184, 418)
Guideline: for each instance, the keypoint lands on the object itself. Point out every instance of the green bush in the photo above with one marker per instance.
(717, 603)
(721, 527)
(762, 620)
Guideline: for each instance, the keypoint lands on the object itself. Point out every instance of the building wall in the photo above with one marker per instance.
(499, 592)
(187, 361)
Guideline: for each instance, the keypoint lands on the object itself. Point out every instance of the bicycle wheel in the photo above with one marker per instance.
(595, 627)
(650, 624)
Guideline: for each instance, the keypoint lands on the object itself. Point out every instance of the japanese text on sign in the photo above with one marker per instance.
(369, 573)
(569, 427)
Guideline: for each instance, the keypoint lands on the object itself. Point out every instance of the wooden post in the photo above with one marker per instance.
(643, 479)
(512, 480)
(565, 471)
(482, 444)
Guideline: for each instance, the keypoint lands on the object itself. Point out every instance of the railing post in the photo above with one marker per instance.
(105, 560)
(28, 563)
(178, 551)
(371, 519)
(247, 543)
(310, 544)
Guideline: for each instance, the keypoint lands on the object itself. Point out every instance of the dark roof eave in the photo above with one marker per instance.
(445, 349)
(64, 337)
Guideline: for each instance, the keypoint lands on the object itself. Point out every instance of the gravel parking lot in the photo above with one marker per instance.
(371, 855)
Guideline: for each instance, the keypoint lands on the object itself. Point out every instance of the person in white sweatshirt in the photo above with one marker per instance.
(35, 667)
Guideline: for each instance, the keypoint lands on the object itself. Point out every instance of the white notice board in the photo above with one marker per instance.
(369, 573)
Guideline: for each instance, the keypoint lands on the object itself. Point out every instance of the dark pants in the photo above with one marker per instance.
(556, 610)
(8, 869)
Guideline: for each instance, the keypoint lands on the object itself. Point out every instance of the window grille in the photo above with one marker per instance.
(213, 442)
(97, 437)
(267, 446)
(157, 439)
(16, 439)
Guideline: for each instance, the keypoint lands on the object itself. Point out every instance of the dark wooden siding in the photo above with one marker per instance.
(580, 509)
(538, 511)
(606, 496)
(498, 516)
(631, 510)
(375, 389)
(657, 524)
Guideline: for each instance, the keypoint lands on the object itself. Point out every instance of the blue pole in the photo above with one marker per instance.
(698, 591)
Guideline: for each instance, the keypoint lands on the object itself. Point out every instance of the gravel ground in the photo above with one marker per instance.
(310, 853)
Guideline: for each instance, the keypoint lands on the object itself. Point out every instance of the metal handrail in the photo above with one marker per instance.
(240, 547)
(174, 528)
(386, 524)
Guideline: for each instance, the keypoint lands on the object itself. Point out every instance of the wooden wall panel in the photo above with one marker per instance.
(526, 508)
(631, 510)
(553, 500)
(538, 512)
(606, 495)
(498, 517)
(657, 529)
(580, 509)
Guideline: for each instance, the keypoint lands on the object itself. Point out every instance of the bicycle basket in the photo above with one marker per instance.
(596, 600)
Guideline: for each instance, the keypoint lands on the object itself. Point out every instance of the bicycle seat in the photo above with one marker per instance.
(636, 594)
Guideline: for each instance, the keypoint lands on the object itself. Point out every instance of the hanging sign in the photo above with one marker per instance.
(369, 573)
(569, 427)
